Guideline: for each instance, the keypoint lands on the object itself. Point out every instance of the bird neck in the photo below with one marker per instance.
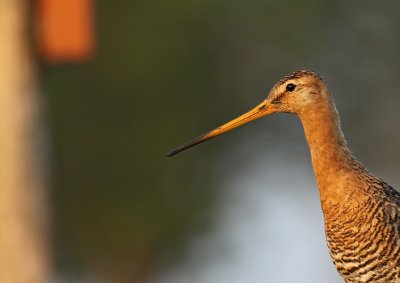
(331, 159)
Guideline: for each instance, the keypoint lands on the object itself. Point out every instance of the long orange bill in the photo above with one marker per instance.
(261, 110)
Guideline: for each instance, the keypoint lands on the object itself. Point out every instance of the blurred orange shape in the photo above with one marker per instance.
(65, 29)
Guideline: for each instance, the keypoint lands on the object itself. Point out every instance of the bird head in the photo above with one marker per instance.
(294, 93)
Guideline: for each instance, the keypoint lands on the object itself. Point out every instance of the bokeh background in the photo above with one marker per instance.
(243, 207)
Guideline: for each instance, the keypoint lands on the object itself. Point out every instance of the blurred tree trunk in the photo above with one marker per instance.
(23, 242)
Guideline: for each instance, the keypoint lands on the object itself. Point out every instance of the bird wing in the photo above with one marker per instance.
(392, 207)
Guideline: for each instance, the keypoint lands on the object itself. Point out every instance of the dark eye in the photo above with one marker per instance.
(290, 87)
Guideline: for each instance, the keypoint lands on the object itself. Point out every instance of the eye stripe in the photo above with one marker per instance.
(277, 99)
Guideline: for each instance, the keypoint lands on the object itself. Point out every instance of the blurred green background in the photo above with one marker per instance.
(167, 71)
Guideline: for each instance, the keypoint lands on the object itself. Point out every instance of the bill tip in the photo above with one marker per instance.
(172, 153)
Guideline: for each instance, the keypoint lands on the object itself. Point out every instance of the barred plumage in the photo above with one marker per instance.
(361, 211)
(364, 240)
